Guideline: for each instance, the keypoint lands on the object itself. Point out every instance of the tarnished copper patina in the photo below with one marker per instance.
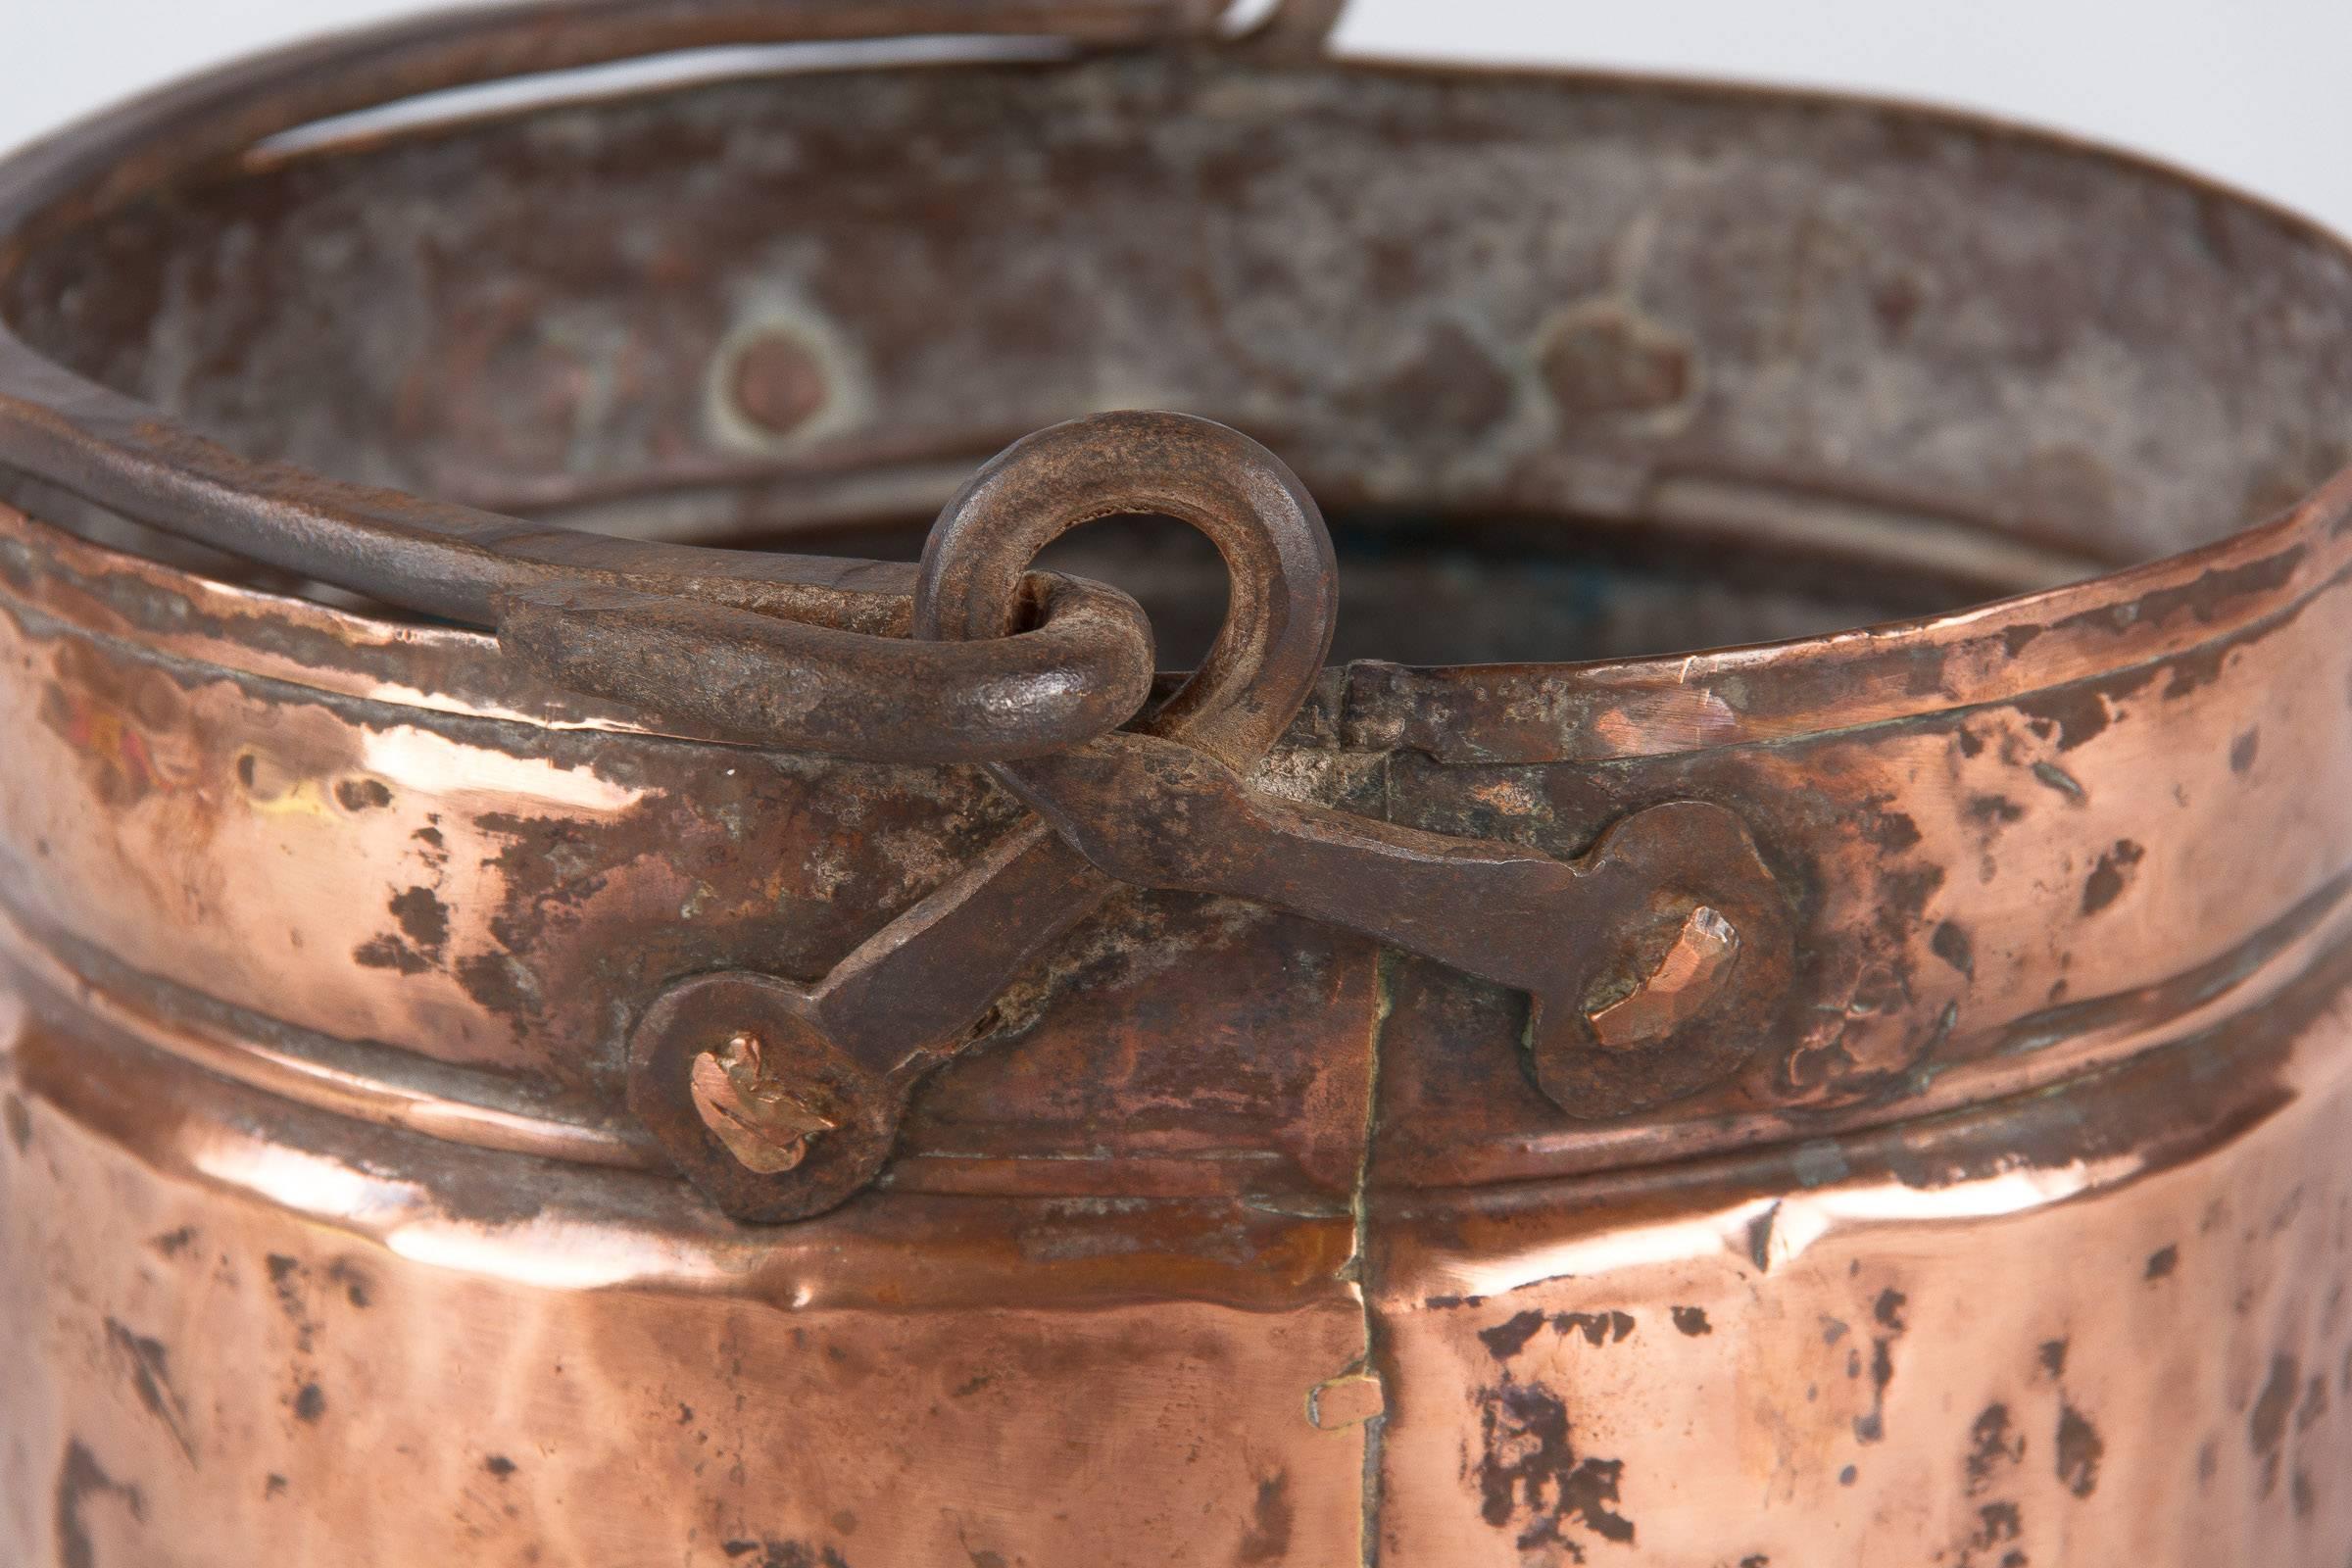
(570, 1001)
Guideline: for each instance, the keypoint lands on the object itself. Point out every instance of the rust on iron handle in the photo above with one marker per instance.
(780, 1101)
(802, 651)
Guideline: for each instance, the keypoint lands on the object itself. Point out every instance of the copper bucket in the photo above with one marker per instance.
(537, 1034)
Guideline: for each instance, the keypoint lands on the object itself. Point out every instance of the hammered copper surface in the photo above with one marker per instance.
(1986, 1204)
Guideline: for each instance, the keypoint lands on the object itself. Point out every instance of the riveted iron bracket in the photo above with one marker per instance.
(1651, 962)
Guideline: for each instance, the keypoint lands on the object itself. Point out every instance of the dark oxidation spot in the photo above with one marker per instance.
(424, 918)
(79, 1478)
(1950, 944)
(362, 794)
(1268, 1538)
(1892, 831)
(1692, 1320)
(1988, 810)
(1993, 1445)
(424, 921)
(1598, 1328)
(1871, 1425)
(1506, 1340)
(1528, 1473)
(2243, 749)
(356, 1288)
(2053, 1357)
(499, 1465)
(2266, 1428)
(2080, 1450)
(310, 1402)
(2073, 714)
(2161, 1262)
(149, 1368)
(1998, 1525)
(782, 1554)
(2206, 598)
(2198, 667)
(286, 1282)
(2113, 873)
(173, 1243)
(1848, 1476)
(502, 985)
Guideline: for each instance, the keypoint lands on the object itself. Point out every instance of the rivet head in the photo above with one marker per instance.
(1605, 358)
(777, 382)
(764, 1124)
(1678, 977)
(748, 1094)
(1680, 986)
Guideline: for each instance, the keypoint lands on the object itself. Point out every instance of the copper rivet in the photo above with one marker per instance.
(1681, 984)
(1611, 361)
(764, 1125)
(777, 382)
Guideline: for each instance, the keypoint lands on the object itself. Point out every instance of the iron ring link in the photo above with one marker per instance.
(1283, 600)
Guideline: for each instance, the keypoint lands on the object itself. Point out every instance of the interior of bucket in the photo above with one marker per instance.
(1578, 368)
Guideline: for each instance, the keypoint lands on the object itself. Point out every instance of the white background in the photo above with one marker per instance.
(2253, 91)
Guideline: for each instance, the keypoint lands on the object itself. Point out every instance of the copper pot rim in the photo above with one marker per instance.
(65, 429)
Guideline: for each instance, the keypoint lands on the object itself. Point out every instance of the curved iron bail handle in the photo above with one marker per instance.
(1650, 960)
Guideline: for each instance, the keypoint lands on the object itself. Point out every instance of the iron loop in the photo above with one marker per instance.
(1283, 603)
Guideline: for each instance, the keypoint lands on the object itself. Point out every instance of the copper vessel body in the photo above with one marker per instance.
(2004, 1218)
